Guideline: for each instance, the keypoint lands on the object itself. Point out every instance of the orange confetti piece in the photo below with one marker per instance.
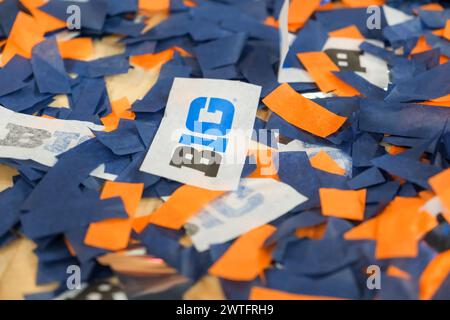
(114, 234)
(363, 3)
(189, 3)
(24, 35)
(315, 232)
(47, 117)
(345, 204)
(266, 162)
(393, 271)
(432, 7)
(130, 193)
(152, 60)
(441, 186)
(121, 108)
(154, 6)
(78, 49)
(320, 67)
(394, 150)
(300, 11)
(434, 275)
(421, 46)
(47, 22)
(259, 293)
(438, 32)
(110, 234)
(323, 161)
(365, 231)
(401, 226)
(397, 230)
(246, 258)
(446, 34)
(351, 32)
(302, 112)
(185, 202)
(111, 122)
(271, 21)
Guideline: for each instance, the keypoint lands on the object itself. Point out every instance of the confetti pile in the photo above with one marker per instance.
(349, 198)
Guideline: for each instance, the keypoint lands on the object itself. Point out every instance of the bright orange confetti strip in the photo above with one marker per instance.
(114, 234)
(246, 258)
(300, 11)
(351, 32)
(345, 204)
(320, 67)
(323, 161)
(154, 6)
(302, 112)
(24, 35)
(259, 293)
(152, 60)
(185, 202)
(78, 48)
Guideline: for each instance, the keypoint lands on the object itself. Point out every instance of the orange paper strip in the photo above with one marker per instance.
(78, 49)
(185, 202)
(345, 204)
(302, 112)
(114, 234)
(441, 186)
(152, 60)
(363, 3)
(447, 30)
(110, 234)
(434, 275)
(130, 193)
(259, 293)
(243, 259)
(351, 32)
(300, 11)
(154, 6)
(24, 35)
(400, 227)
(393, 271)
(320, 68)
(323, 161)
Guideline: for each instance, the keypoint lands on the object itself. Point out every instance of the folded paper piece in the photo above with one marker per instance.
(252, 205)
(204, 135)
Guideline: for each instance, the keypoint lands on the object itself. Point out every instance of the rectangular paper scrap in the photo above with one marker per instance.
(26, 137)
(252, 205)
(204, 136)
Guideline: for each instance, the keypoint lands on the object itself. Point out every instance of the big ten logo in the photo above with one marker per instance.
(29, 138)
(206, 136)
(349, 60)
